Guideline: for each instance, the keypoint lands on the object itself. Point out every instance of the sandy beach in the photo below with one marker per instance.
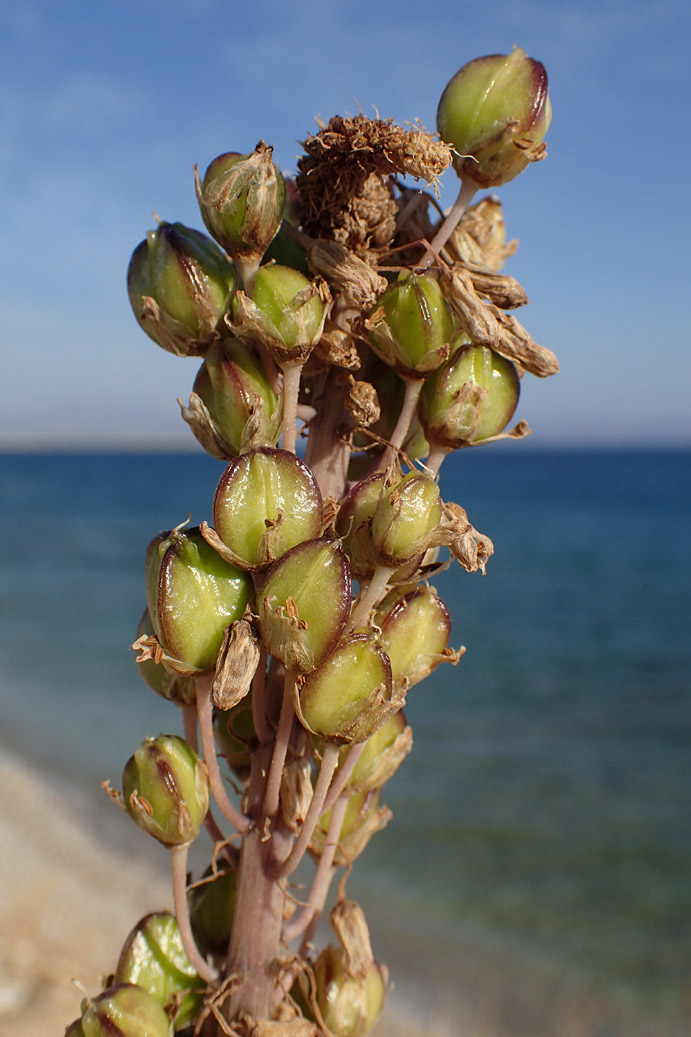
(68, 898)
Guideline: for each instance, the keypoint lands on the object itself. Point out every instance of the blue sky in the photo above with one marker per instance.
(105, 108)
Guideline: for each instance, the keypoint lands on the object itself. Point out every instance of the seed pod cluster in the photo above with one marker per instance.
(291, 625)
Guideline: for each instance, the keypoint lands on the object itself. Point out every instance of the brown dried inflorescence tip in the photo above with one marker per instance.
(342, 178)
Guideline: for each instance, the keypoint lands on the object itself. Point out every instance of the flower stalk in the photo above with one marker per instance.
(290, 630)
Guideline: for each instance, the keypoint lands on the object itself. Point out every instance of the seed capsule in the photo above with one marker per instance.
(241, 200)
(233, 405)
(349, 1004)
(124, 1010)
(180, 285)
(415, 630)
(363, 819)
(303, 602)
(381, 754)
(412, 328)
(193, 596)
(408, 510)
(282, 310)
(165, 789)
(473, 397)
(495, 112)
(349, 695)
(267, 501)
(153, 957)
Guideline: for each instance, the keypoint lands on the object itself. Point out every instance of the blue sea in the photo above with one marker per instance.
(543, 817)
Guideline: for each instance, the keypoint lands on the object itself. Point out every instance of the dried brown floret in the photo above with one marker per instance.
(342, 184)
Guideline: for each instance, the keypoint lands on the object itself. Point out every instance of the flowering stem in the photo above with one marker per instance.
(466, 194)
(261, 727)
(325, 872)
(228, 809)
(285, 725)
(178, 859)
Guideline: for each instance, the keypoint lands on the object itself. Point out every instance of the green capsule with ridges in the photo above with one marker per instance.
(267, 501)
(154, 958)
(193, 596)
(471, 398)
(165, 789)
(124, 1010)
(348, 696)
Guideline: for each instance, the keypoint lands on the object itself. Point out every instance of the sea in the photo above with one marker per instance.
(540, 850)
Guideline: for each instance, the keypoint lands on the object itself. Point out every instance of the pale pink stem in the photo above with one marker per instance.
(342, 775)
(291, 388)
(370, 594)
(262, 729)
(285, 725)
(436, 456)
(189, 725)
(306, 922)
(178, 859)
(314, 812)
(466, 194)
(413, 388)
(227, 808)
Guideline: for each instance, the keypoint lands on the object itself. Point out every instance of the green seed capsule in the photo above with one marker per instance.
(415, 630)
(471, 398)
(381, 754)
(233, 404)
(124, 1010)
(412, 328)
(241, 200)
(303, 603)
(165, 789)
(153, 957)
(267, 501)
(495, 112)
(349, 695)
(284, 311)
(180, 285)
(349, 1004)
(193, 596)
(408, 510)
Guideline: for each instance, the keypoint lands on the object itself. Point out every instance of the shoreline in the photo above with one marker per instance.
(74, 880)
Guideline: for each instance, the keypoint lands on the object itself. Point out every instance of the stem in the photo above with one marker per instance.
(413, 388)
(315, 811)
(178, 859)
(228, 809)
(248, 269)
(309, 917)
(262, 729)
(436, 456)
(342, 775)
(255, 940)
(466, 193)
(369, 596)
(291, 389)
(189, 726)
(285, 725)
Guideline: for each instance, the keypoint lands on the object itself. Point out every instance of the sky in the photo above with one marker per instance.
(106, 107)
